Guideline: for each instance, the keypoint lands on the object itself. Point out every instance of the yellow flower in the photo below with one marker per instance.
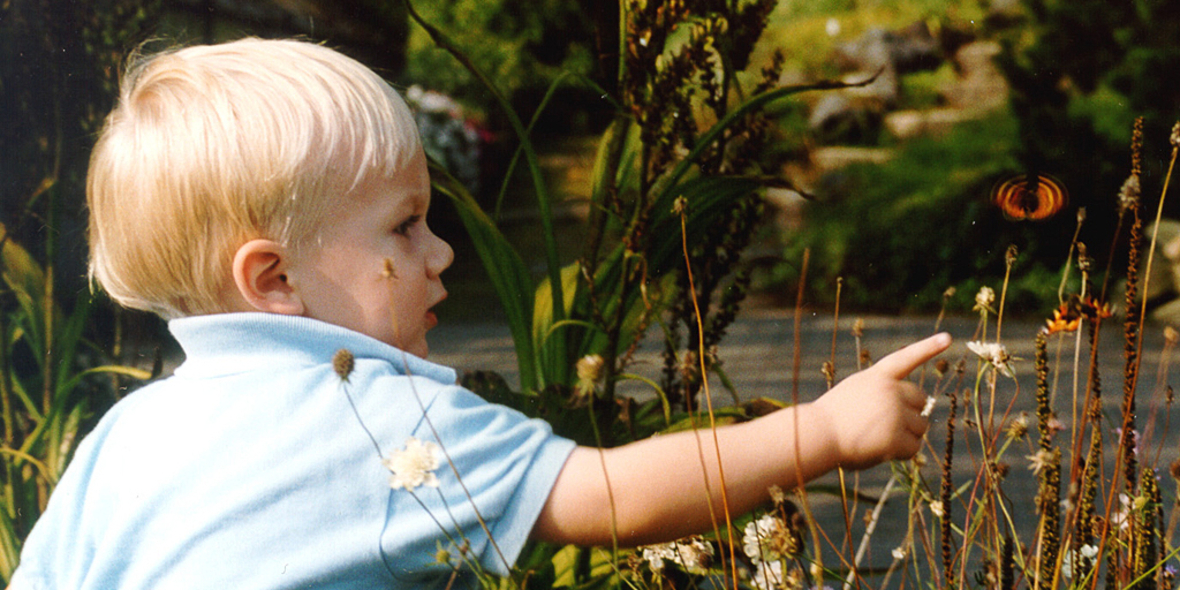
(1065, 319)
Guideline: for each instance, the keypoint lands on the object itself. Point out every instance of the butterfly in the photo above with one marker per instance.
(1030, 196)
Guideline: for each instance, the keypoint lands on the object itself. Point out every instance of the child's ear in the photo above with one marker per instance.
(260, 274)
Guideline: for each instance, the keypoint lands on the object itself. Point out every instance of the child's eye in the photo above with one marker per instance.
(404, 227)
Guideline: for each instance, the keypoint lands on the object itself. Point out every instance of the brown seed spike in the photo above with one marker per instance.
(343, 362)
(1137, 147)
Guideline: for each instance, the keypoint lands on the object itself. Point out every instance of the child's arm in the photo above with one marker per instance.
(658, 483)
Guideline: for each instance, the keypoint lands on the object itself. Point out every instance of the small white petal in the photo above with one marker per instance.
(929, 408)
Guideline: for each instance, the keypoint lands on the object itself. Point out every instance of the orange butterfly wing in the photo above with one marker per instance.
(1025, 196)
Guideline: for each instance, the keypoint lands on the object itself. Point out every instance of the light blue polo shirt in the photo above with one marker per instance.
(250, 469)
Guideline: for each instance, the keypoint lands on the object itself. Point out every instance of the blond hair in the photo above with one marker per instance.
(212, 146)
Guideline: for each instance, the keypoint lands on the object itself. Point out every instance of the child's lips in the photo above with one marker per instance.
(431, 318)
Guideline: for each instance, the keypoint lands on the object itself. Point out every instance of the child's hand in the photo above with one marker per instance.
(876, 415)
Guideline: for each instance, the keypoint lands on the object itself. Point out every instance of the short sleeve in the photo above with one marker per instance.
(499, 468)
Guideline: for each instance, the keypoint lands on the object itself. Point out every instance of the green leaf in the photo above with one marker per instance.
(552, 351)
(506, 271)
(10, 544)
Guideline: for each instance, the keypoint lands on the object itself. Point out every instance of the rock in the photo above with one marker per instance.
(888, 55)
(841, 117)
(981, 86)
(910, 49)
(933, 122)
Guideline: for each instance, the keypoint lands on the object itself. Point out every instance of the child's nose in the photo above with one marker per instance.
(441, 255)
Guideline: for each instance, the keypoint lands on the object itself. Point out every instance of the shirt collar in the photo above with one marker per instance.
(223, 344)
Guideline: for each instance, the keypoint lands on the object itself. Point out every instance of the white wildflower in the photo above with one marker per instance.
(1040, 460)
(767, 539)
(995, 354)
(929, 407)
(414, 466)
(898, 553)
(936, 508)
(1121, 518)
(693, 554)
(768, 575)
(1085, 558)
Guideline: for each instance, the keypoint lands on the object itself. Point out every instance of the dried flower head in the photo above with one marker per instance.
(343, 363)
(414, 465)
(1019, 426)
(1000, 469)
(589, 369)
(779, 497)
(1174, 138)
(941, 366)
(828, 370)
(680, 206)
(949, 292)
(984, 299)
(1010, 255)
(858, 328)
(1171, 336)
(1085, 262)
(1129, 193)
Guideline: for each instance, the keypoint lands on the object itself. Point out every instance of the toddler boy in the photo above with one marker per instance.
(269, 198)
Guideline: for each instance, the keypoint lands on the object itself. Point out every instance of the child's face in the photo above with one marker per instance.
(344, 277)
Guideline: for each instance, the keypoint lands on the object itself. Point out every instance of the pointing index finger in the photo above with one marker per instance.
(900, 363)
